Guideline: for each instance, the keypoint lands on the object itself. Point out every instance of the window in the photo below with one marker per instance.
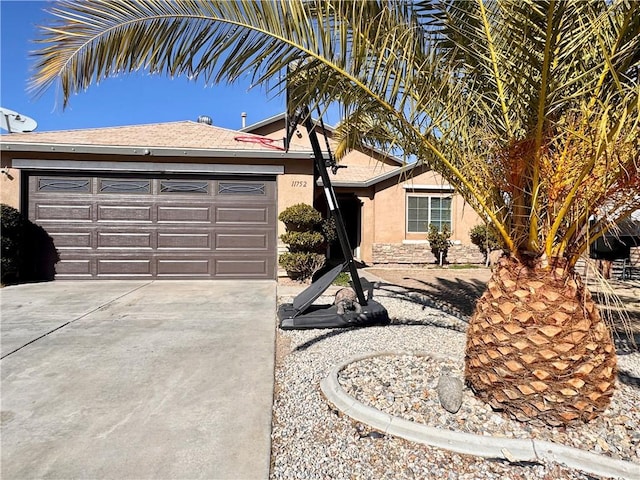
(425, 210)
(184, 186)
(228, 188)
(124, 186)
(64, 184)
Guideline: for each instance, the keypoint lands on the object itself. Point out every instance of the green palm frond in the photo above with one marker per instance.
(529, 108)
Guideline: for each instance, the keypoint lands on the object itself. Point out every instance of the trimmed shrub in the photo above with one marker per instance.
(300, 217)
(485, 238)
(304, 241)
(439, 242)
(301, 265)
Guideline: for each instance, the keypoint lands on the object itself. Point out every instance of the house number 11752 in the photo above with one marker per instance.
(299, 183)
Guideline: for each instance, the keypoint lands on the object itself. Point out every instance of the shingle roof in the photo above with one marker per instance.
(185, 134)
(367, 175)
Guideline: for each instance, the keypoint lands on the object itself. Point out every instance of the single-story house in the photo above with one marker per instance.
(192, 200)
(387, 205)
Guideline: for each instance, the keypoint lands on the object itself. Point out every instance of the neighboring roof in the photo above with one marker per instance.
(172, 138)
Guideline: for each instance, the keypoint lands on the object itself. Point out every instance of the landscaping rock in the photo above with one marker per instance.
(449, 391)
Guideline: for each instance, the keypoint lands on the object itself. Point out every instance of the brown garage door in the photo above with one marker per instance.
(130, 227)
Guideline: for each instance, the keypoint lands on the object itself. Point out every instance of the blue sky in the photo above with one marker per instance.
(126, 100)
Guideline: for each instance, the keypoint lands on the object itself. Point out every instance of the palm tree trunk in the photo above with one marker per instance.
(537, 346)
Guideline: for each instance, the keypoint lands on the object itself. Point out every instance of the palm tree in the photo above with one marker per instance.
(528, 108)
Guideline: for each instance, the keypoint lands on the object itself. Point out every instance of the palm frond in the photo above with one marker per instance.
(529, 108)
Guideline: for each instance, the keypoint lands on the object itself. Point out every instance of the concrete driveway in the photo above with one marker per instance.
(137, 379)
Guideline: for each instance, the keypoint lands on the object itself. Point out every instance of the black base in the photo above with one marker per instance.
(326, 316)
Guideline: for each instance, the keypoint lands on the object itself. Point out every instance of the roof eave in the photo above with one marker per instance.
(151, 151)
(371, 181)
(263, 123)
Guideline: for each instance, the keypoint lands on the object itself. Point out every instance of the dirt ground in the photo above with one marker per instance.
(456, 291)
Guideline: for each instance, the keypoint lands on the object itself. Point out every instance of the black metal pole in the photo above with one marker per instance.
(334, 208)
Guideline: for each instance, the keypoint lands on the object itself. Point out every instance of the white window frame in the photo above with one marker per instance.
(429, 195)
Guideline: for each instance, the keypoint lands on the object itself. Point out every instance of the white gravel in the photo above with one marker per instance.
(310, 440)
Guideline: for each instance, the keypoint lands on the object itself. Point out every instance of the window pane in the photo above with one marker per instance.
(184, 186)
(227, 188)
(124, 186)
(61, 184)
(417, 214)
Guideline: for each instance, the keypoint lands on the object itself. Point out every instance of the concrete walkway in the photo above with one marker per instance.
(135, 380)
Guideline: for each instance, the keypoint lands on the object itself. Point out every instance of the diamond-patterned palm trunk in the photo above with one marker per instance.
(537, 347)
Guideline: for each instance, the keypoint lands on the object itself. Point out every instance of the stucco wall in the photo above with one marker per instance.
(10, 187)
(295, 186)
(389, 239)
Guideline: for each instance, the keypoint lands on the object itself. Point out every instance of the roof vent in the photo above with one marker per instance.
(205, 119)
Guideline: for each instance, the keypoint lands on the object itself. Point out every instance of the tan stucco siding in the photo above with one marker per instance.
(391, 199)
(389, 212)
(10, 187)
(295, 186)
(367, 228)
(465, 218)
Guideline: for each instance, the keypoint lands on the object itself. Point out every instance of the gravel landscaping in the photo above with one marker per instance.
(311, 439)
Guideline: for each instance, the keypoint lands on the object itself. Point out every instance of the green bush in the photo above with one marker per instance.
(329, 230)
(10, 237)
(300, 217)
(28, 252)
(303, 241)
(301, 265)
(485, 238)
(439, 242)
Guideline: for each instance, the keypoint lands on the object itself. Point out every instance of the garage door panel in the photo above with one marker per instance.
(125, 240)
(184, 240)
(59, 212)
(184, 267)
(242, 215)
(71, 240)
(184, 214)
(125, 213)
(124, 266)
(247, 267)
(74, 268)
(242, 241)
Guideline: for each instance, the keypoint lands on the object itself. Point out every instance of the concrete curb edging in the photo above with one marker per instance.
(510, 449)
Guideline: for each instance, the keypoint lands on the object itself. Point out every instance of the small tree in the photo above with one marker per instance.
(304, 241)
(439, 242)
(485, 238)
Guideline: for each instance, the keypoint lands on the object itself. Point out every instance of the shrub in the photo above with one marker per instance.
(329, 230)
(28, 252)
(300, 217)
(485, 238)
(301, 265)
(439, 242)
(303, 241)
(10, 237)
